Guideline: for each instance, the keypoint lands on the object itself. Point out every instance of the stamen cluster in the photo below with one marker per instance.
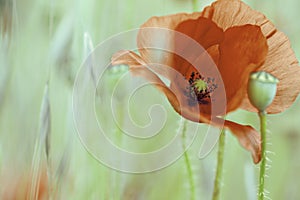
(200, 95)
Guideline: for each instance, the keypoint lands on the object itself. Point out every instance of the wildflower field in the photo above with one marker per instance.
(149, 100)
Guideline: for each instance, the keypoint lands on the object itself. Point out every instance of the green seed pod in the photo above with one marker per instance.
(262, 88)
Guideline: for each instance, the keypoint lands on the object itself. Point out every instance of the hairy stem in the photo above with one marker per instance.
(219, 171)
(263, 130)
(188, 163)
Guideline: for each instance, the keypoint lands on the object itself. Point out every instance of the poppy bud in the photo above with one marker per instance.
(262, 88)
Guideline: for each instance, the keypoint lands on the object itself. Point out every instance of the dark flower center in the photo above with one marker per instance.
(200, 89)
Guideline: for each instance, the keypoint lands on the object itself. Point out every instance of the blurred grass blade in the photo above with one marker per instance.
(62, 40)
(42, 140)
(89, 56)
(61, 48)
(250, 181)
(62, 171)
(3, 66)
(45, 121)
(88, 44)
(5, 16)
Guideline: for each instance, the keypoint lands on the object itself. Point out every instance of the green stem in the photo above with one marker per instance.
(188, 163)
(194, 5)
(263, 130)
(119, 138)
(220, 163)
(119, 133)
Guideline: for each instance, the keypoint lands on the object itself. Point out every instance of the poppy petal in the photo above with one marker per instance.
(282, 63)
(127, 58)
(228, 13)
(158, 32)
(242, 51)
(248, 138)
(205, 32)
(169, 21)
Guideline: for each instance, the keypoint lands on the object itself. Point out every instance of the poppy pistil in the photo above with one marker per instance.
(199, 89)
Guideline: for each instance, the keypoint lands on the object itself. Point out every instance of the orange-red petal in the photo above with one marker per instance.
(242, 51)
(155, 39)
(248, 137)
(154, 33)
(126, 57)
(229, 13)
(201, 30)
(280, 61)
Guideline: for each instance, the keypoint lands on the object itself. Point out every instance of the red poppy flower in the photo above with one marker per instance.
(239, 40)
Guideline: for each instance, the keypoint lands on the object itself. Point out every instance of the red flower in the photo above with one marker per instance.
(239, 40)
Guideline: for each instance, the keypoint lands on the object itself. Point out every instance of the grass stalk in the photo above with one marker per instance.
(119, 140)
(220, 164)
(195, 5)
(188, 163)
(42, 141)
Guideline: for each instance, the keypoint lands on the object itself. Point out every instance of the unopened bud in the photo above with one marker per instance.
(262, 88)
(117, 79)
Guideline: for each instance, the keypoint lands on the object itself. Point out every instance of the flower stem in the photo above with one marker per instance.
(263, 130)
(188, 163)
(194, 5)
(220, 163)
(119, 139)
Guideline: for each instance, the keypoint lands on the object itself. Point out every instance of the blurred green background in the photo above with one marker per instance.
(42, 41)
